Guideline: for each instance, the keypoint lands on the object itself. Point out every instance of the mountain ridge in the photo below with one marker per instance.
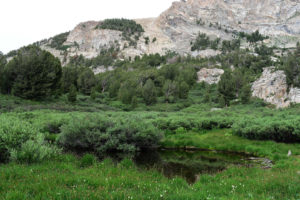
(176, 27)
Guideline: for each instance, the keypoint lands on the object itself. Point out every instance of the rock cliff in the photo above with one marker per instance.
(175, 28)
(272, 87)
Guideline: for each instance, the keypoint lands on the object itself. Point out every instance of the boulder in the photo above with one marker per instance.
(272, 88)
(210, 76)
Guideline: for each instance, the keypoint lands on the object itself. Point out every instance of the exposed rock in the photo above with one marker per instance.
(265, 163)
(289, 153)
(55, 52)
(294, 95)
(210, 76)
(276, 18)
(206, 53)
(175, 28)
(102, 69)
(272, 87)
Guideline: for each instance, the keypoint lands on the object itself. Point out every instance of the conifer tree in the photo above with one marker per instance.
(226, 88)
(72, 95)
(222, 101)
(2, 64)
(93, 93)
(33, 74)
(127, 92)
(149, 92)
(246, 94)
(207, 95)
(86, 81)
(170, 89)
(183, 90)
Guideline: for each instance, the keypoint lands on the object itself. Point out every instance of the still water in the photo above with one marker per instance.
(189, 164)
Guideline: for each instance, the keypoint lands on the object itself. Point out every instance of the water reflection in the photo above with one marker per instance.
(187, 164)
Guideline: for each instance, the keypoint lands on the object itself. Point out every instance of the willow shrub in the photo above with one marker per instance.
(103, 134)
(190, 123)
(20, 141)
(267, 128)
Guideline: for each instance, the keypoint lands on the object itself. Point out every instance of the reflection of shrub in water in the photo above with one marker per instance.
(189, 165)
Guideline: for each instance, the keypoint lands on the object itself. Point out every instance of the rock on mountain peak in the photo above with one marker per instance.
(175, 28)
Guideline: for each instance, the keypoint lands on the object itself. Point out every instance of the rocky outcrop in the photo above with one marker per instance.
(280, 19)
(294, 95)
(175, 28)
(272, 87)
(210, 76)
(102, 69)
(206, 53)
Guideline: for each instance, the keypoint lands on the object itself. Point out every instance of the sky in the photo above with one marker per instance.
(23, 22)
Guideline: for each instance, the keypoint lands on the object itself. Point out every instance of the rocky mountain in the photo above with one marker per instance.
(175, 28)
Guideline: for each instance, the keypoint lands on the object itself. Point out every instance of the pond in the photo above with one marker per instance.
(191, 164)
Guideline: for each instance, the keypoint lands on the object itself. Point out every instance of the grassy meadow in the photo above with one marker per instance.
(39, 138)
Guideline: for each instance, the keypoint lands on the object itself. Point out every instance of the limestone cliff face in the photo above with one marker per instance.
(175, 28)
(272, 87)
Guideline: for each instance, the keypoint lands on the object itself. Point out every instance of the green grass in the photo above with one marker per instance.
(68, 177)
(224, 140)
(65, 179)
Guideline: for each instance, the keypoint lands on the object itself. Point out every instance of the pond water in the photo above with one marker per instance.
(190, 164)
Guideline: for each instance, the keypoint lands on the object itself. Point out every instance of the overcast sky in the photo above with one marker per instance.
(23, 22)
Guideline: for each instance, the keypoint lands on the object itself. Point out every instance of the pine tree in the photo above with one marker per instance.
(69, 77)
(245, 94)
(183, 90)
(72, 95)
(149, 92)
(127, 92)
(86, 81)
(114, 88)
(93, 93)
(2, 64)
(171, 91)
(33, 74)
(226, 88)
(222, 101)
(134, 102)
(207, 95)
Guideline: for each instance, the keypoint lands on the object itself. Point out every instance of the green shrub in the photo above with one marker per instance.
(126, 26)
(34, 150)
(180, 130)
(269, 128)
(72, 95)
(101, 134)
(87, 160)
(123, 25)
(20, 141)
(58, 41)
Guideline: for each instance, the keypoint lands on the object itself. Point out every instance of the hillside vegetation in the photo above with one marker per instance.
(58, 124)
